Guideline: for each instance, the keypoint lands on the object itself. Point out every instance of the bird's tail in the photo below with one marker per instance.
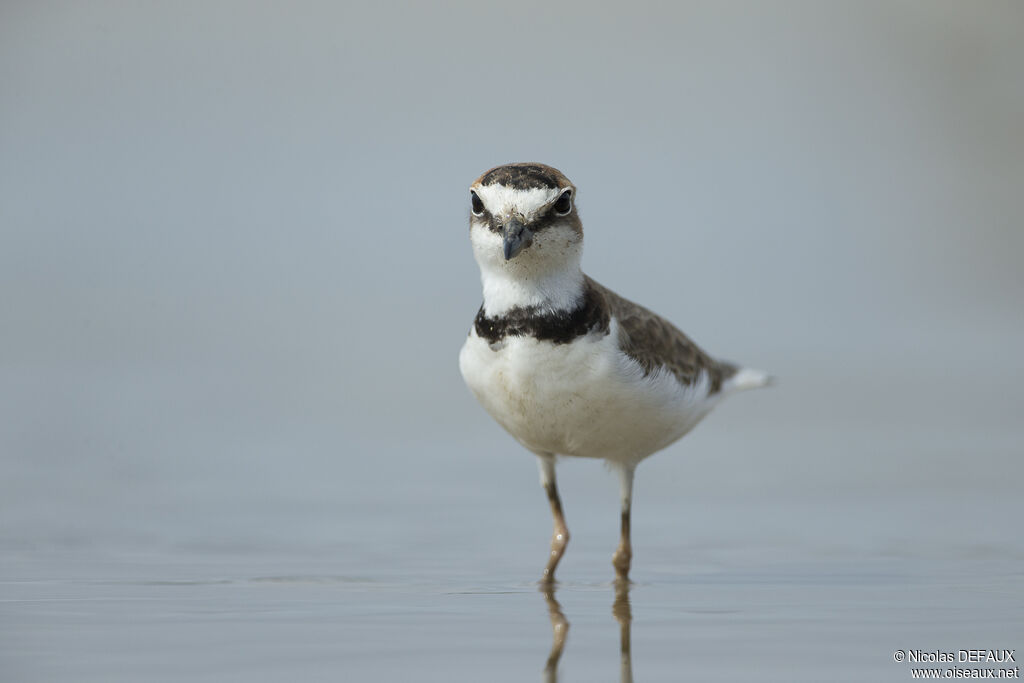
(747, 378)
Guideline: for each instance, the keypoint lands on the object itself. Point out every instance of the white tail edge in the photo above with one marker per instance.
(748, 378)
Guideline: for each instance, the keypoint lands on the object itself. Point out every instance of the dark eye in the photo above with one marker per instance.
(564, 203)
(478, 206)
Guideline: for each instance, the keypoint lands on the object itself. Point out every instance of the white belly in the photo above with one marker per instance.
(584, 398)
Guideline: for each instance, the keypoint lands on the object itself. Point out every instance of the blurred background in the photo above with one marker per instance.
(235, 276)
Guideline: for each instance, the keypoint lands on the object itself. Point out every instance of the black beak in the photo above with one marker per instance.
(516, 237)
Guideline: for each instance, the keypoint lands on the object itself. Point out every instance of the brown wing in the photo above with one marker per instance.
(655, 343)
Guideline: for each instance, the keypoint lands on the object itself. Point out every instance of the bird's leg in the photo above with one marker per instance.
(560, 537)
(624, 553)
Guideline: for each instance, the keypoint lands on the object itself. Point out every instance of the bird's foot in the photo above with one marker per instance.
(621, 560)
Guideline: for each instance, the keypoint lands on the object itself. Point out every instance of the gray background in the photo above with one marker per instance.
(235, 276)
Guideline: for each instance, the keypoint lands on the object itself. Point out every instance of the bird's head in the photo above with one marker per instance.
(523, 219)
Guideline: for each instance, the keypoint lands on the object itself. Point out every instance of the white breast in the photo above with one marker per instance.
(585, 398)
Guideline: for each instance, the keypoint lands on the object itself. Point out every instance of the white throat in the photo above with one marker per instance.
(548, 278)
(557, 291)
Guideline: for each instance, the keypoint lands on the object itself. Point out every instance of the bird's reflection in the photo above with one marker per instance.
(624, 615)
(621, 610)
(559, 632)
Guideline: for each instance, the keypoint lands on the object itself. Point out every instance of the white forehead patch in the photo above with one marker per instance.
(501, 200)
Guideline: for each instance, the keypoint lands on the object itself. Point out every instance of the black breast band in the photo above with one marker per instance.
(561, 327)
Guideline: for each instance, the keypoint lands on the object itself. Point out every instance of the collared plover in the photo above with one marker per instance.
(565, 365)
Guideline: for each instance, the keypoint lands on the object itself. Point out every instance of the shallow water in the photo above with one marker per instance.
(803, 533)
(809, 592)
